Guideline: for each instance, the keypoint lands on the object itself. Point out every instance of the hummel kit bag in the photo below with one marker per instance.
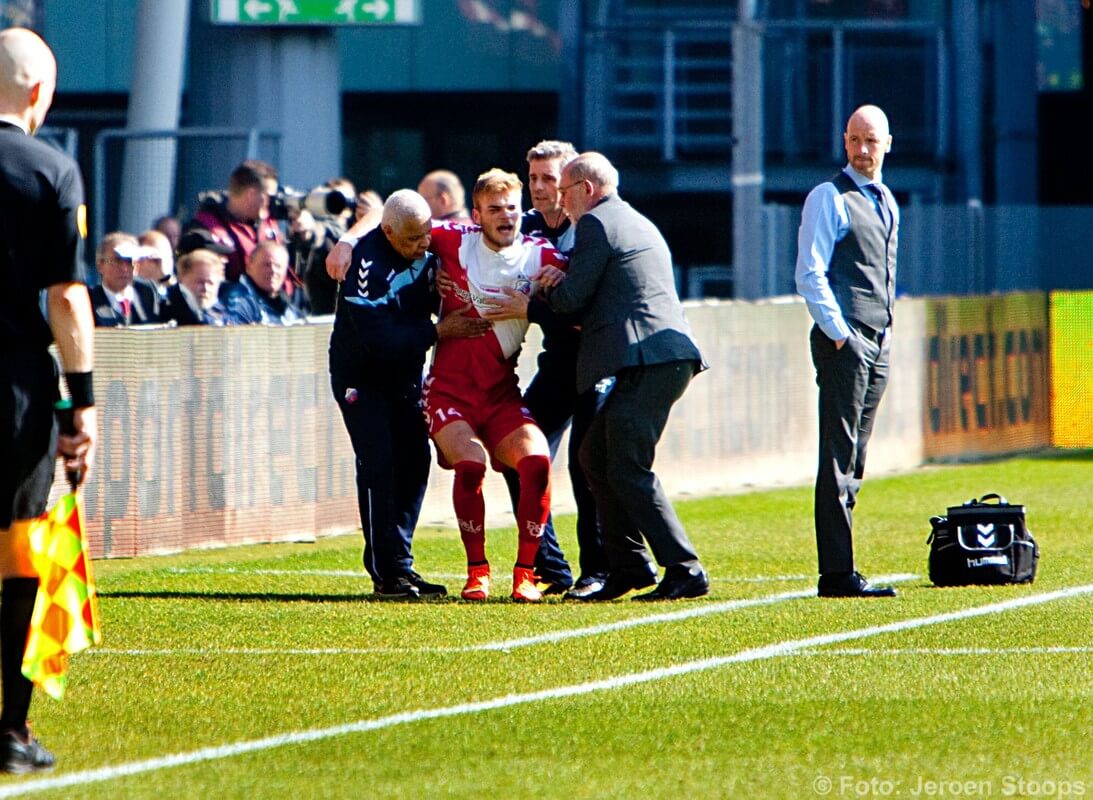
(982, 542)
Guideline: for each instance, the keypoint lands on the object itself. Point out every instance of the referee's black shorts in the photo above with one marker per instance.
(28, 434)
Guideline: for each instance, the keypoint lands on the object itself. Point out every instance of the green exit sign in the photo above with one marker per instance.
(316, 12)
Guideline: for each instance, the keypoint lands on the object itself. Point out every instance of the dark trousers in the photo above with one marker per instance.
(617, 455)
(554, 402)
(852, 381)
(391, 445)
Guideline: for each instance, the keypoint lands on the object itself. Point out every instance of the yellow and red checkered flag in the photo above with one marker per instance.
(66, 610)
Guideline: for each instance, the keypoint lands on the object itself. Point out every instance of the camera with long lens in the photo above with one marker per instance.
(322, 201)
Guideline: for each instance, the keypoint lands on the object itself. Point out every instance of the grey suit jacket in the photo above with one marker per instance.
(621, 285)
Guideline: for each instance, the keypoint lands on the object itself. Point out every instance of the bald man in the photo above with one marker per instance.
(382, 330)
(846, 271)
(42, 226)
(444, 193)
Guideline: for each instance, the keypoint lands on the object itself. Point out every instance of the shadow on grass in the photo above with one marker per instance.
(1067, 455)
(300, 597)
(1042, 454)
(250, 597)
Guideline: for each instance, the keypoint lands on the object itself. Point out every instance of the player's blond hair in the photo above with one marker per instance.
(494, 181)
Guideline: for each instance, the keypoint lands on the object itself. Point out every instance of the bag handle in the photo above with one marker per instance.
(982, 501)
(935, 524)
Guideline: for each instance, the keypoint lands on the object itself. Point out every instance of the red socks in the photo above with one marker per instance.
(470, 508)
(531, 511)
(533, 508)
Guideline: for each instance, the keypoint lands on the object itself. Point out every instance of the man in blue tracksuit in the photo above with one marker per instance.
(382, 330)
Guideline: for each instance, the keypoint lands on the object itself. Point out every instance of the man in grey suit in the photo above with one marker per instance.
(620, 283)
(846, 271)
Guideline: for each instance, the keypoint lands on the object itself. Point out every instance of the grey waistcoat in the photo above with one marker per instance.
(862, 272)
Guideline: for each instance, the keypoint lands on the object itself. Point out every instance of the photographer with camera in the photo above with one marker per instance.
(316, 221)
(241, 218)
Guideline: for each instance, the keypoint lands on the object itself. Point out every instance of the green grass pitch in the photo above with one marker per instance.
(269, 672)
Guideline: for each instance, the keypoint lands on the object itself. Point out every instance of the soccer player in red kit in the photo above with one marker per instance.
(472, 400)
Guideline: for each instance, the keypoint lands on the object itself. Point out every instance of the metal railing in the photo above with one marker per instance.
(664, 90)
(968, 249)
(659, 90)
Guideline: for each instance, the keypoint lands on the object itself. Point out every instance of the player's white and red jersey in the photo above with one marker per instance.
(486, 362)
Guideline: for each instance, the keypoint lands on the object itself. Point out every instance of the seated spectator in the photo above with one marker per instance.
(194, 300)
(258, 296)
(122, 298)
(240, 219)
(170, 227)
(158, 263)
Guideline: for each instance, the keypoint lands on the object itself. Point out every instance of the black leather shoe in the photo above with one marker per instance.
(679, 581)
(586, 586)
(850, 584)
(398, 588)
(424, 588)
(616, 585)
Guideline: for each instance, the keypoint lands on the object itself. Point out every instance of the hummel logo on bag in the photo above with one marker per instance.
(985, 536)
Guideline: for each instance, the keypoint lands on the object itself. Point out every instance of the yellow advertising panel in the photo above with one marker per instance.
(987, 375)
(1072, 369)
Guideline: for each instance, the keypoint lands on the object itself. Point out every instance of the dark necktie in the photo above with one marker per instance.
(882, 204)
(126, 307)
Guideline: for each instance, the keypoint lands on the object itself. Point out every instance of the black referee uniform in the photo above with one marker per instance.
(41, 208)
(41, 236)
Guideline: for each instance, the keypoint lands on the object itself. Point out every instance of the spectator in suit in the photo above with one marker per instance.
(258, 297)
(620, 284)
(194, 299)
(122, 298)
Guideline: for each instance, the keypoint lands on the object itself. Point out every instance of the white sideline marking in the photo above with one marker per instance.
(506, 645)
(574, 690)
(944, 651)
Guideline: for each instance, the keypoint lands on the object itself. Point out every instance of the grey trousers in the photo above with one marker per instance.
(617, 456)
(852, 381)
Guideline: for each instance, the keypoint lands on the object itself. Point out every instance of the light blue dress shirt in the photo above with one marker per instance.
(824, 223)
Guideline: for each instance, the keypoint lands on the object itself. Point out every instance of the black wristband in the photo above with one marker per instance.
(80, 389)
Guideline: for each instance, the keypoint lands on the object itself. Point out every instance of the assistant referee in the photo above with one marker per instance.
(42, 227)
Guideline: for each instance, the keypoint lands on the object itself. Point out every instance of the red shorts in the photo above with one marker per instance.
(492, 415)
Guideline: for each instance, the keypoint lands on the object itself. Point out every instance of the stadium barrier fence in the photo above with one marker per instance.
(211, 437)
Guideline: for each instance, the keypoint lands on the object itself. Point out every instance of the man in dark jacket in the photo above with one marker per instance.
(382, 330)
(194, 299)
(258, 298)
